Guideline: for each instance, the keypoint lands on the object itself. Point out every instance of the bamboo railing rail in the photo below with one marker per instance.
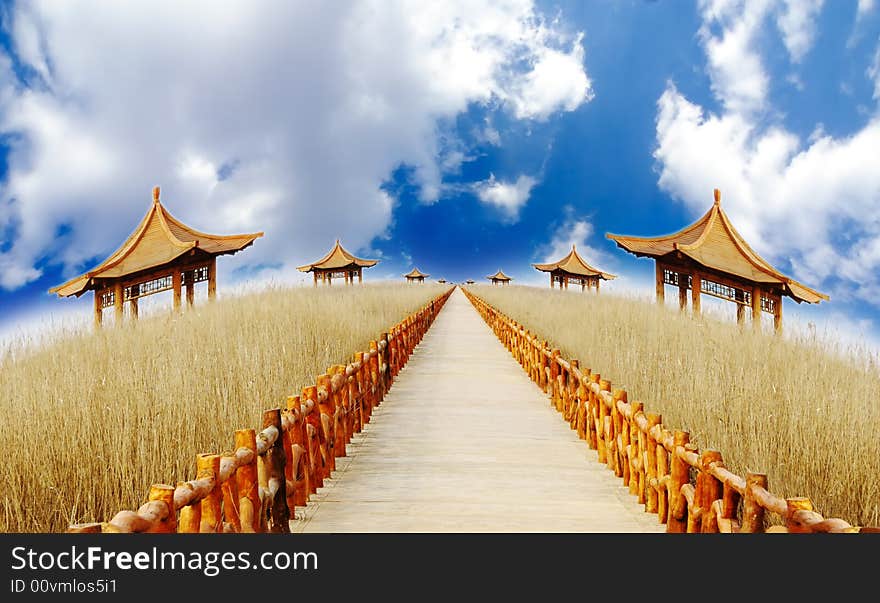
(688, 489)
(257, 486)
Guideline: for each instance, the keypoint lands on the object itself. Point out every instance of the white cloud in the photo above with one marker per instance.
(797, 22)
(809, 205)
(556, 82)
(509, 197)
(864, 7)
(735, 68)
(276, 116)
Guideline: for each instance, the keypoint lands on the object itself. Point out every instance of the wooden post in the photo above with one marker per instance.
(164, 493)
(319, 455)
(551, 281)
(651, 494)
(300, 446)
(328, 413)
(604, 386)
(117, 301)
(279, 512)
(211, 518)
(752, 512)
(682, 291)
(634, 453)
(661, 293)
(710, 490)
(246, 480)
(740, 314)
(777, 315)
(133, 307)
(571, 399)
(315, 274)
(99, 311)
(756, 308)
(679, 475)
(696, 288)
(360, 275)
(190, 287)
(175, 284)
(229, 490)
(662, 473)
(212, 278)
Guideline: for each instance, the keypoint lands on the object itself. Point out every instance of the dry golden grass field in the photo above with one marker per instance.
(804, 411)
(92, 419)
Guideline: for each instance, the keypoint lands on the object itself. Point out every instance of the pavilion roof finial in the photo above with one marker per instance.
(155, 194)
(717, 197)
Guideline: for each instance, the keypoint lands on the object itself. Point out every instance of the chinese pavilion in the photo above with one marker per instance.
(499, 278)
(338, 263)
(573, 269)
(415, 276)
(711, 257)
(161, 254)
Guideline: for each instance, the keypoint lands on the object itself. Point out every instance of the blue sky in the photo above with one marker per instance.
(459, 138)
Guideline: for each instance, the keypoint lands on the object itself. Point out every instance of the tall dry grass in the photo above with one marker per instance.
(802, 410)
(91, 420)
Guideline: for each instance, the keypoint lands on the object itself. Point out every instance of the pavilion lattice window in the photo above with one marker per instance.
(108, 298)
(156, 285)
(734, 294)
(197, 275)
(768, 304)
(671, 277)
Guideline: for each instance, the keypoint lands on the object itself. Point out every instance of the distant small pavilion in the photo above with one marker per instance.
(711, 257)
(338, 263)
(470, 281)
(442, 281)
(574, 269)
(415, 276)
(499, 278)
(161, 254)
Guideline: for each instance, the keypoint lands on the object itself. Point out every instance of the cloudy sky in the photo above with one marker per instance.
(458, 137)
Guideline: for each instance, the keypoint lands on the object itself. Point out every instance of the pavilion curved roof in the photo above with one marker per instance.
(499, 276)
(158, 239)
(416, 273)
(574, 264)
(336, 259)
(713, 242)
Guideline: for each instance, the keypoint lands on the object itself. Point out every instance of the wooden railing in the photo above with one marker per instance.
(688, 489)
(257, 486)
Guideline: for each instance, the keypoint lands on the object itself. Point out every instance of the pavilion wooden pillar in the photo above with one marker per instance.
(175, 285)
(190, 287)
(696, 289)
(552, 284)
(740, 313)
(661, 288)
(117, 301)
(777, 315)
(682, 291)
(756, 308)
(212, 278)
(360, 275)
(133, 307)
(99, 311)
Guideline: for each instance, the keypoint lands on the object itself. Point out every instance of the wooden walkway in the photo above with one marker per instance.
(465, 442)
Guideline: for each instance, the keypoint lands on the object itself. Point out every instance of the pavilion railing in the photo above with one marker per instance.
(688, 489)
(257, 486)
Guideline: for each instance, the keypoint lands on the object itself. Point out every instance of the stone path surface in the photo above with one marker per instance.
(465, 442)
